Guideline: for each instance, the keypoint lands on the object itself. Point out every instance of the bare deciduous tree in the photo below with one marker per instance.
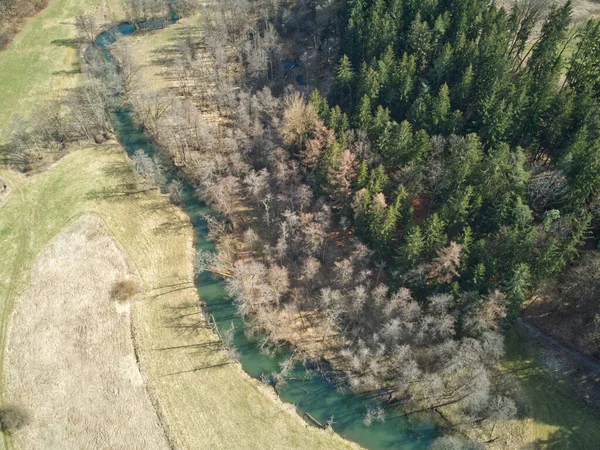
(149, 171)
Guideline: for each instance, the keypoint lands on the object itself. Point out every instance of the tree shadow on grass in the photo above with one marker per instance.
(196, 369)
(76, 71)
(113, 193)
(548, 382)
(167, 54)
(201, 348)
(188, 346)
(119, 191)
(72, 43)
(559, 440)
(172, 288)
(170, 227)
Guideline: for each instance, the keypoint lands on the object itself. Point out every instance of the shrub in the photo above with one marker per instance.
(125, 289)
(13, 418)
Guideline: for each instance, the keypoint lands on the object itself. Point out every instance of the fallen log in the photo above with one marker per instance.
(314, 421)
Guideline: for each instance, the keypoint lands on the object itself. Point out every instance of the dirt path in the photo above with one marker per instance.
(574, 355)
(70, 358)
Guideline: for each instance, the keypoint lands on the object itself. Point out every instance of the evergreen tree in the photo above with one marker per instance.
(362, 178)
(378, 179)
(492, 63)
(440, 114)
(376, 219)
(465, 155)
(549, 261)
(401, 144)
(543, 70)
(383, 228)
(479, 279)
(387, 69)
(354, 36)
(419, 113)
(434, 236)
(403, 82)
(380, 132)
(339, 123)
(320, 104)
(403, 207)
(466, 240)
(401, 198)
(343, 81)
(381, 30)
(516, 288)
(462, 92)
(583, 172)
(361, 206)
(456, 210)
(369, 85)
(421, 145)
(523, 18)
(493, 117)
(364, 116)
(584, 69)
(412, 248)
(580, 225)
(545, 56)
(442, 66)
(419, 41)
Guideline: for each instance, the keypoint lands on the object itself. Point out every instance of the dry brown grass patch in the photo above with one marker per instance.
(70, 359)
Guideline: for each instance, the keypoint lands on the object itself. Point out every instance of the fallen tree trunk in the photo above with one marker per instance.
(314, 421)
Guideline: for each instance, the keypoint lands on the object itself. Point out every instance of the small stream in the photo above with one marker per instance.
(311, 393)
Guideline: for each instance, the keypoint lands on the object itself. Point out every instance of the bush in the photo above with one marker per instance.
(125, 289)
(13, 418)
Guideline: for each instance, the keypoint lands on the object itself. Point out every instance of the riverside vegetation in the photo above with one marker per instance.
(184, 370)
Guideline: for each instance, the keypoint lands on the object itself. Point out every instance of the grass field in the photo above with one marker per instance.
(204, 399)
(154, 52)
(41, 62)
(556, 418)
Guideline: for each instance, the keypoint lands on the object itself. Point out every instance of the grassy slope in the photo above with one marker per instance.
(206, 401)
(42, 61)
